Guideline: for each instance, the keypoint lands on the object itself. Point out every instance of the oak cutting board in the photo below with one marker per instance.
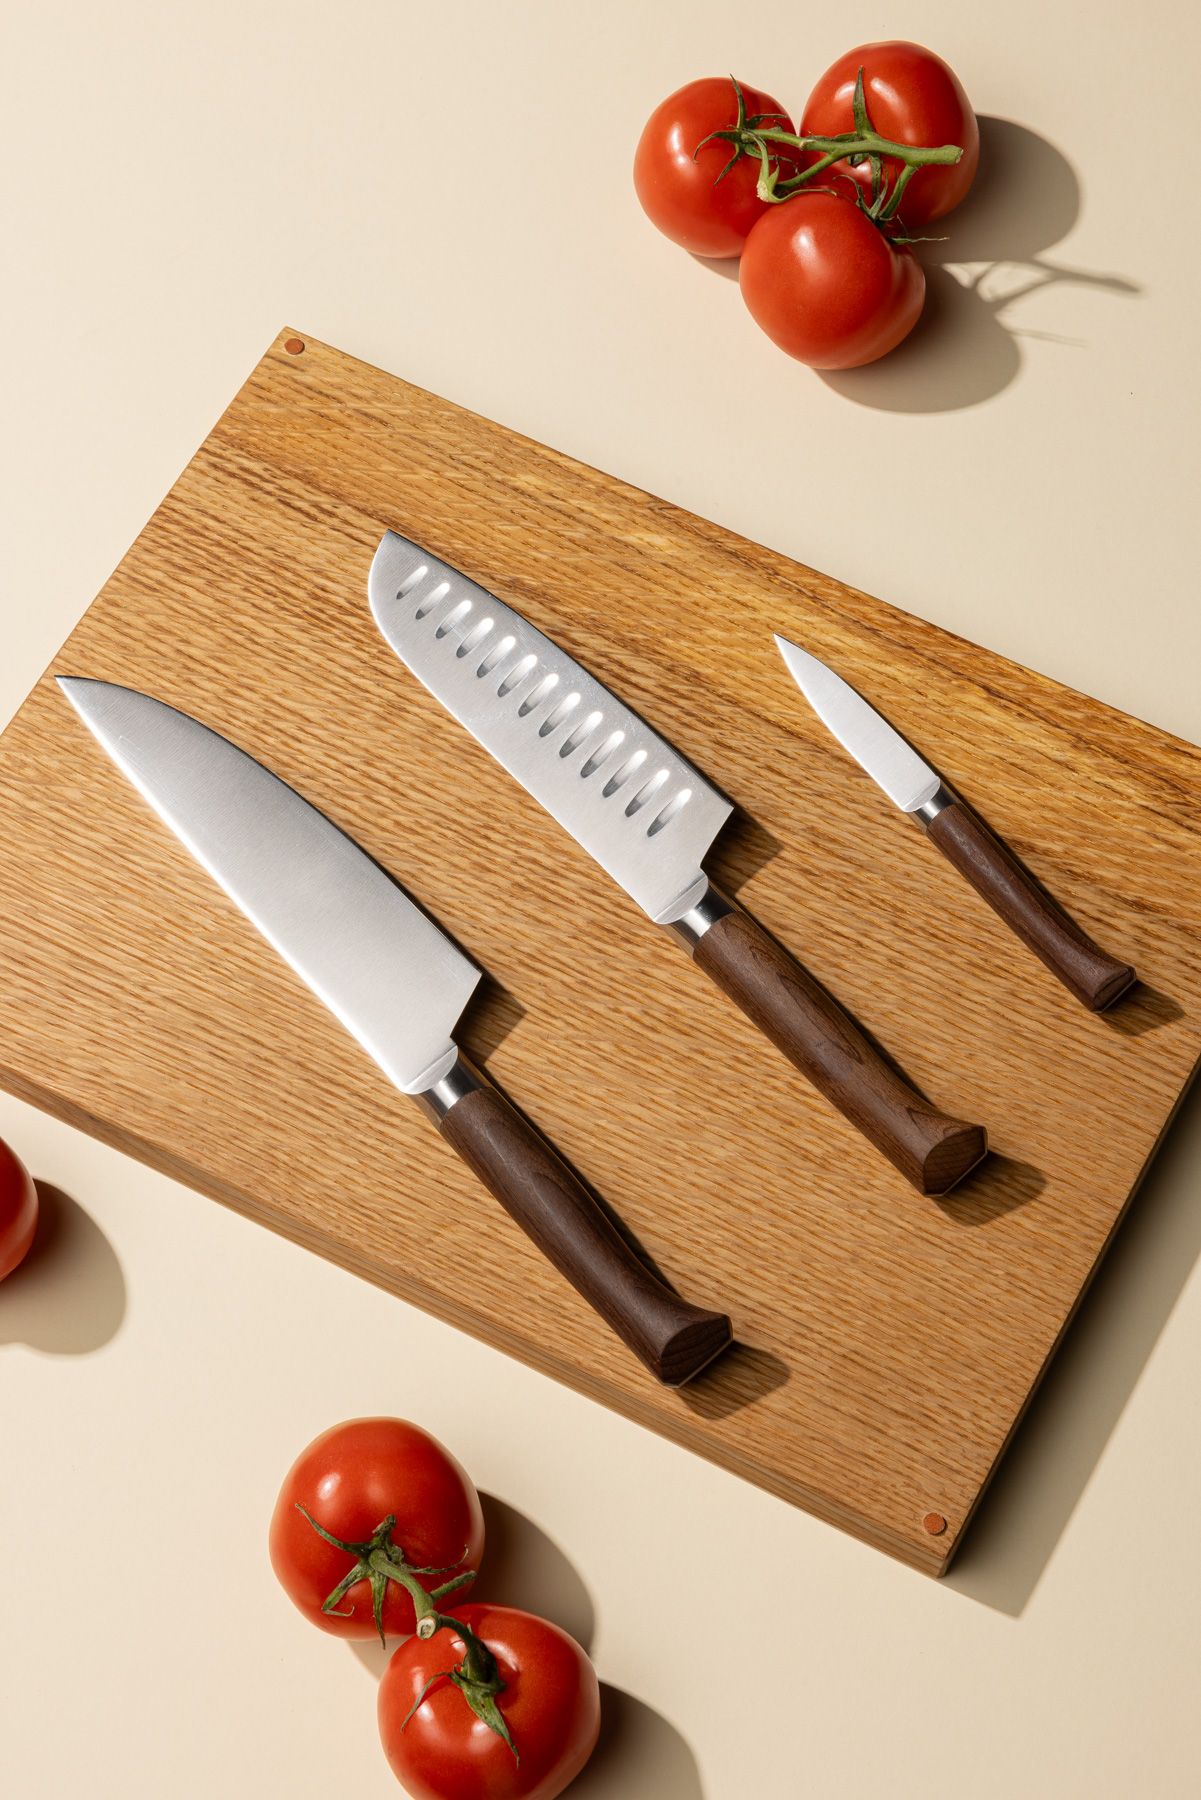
(887, 1343)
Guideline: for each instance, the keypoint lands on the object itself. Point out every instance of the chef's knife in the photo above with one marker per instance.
(1090, 973)
(649, 818)
(397, 984)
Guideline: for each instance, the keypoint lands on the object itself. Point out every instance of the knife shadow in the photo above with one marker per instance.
(741, 1375)
(1000, 1185)
(743, 847)
(493, 1013)
(1140, 1010)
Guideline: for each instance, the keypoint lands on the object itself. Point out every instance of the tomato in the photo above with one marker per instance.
(827, 285)
(550, 1702)
(349, 1480)
(913, 98)
(679, 191)
(18, 1211)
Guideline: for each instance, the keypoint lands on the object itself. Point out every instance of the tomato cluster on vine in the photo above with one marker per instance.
(822, 217)
(377, 1529)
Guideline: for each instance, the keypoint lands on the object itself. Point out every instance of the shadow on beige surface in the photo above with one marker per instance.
(966, 346)
(68, 1296)
(523, 1566)
(639, 1752)
(1036, 1490)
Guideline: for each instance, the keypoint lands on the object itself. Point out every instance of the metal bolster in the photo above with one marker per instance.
(928, 811)
(691, 926)
(459, 1081)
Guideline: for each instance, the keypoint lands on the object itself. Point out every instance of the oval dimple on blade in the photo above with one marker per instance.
(394, 980)
(585, 773)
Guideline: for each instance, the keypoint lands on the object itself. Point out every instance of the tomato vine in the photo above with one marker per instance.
(377, 1560)
(751, 137)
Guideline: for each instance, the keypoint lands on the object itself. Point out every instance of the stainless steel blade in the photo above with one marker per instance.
(633, 802)
(876, 746)
(380, 965)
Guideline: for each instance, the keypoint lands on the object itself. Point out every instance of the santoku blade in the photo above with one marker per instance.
(645, 814)
(351, 933)
(892, 763)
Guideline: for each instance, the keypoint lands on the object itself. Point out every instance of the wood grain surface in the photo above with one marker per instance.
(887, 1343)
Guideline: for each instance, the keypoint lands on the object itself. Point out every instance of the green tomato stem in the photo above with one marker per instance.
(378, 1561)
(856, 145)
(751, 137)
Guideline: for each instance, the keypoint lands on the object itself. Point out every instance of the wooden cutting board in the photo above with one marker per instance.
(887, 1343)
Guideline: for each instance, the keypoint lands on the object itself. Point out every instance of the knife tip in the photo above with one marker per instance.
(797, 661)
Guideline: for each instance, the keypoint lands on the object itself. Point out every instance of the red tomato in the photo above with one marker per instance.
(18, 1211)
(550, 1703)
(679, 191)
(827, 285)
(913, 98)
(351, 1478)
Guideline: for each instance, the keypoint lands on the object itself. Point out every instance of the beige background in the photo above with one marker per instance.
(449, 197)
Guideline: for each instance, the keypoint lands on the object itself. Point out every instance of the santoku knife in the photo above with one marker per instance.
(397, 984)
(649, 818)
(1090, 973)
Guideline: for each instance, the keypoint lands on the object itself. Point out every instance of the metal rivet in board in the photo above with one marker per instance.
(294, 346)
(934, 1523)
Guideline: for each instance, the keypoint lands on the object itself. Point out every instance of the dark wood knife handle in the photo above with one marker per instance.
(811, 1028)
(541, 1194)
(1090, 973)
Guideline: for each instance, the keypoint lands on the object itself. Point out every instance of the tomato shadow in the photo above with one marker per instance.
(967, 345)
(638, 1752)
(68, 1296)
(726, 266)
(522, 1566)
(1028, 1505)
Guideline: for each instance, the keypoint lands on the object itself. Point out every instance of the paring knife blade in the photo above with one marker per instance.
(649, 818)
(1088, 972)
(398, 985)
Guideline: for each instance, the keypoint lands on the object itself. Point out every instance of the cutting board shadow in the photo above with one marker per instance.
(888, 1344)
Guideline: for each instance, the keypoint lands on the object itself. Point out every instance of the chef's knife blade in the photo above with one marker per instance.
(382, 968)
(649, 818)
(1088, 972)
(398, 985)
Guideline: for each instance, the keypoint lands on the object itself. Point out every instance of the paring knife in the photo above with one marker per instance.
(649, 818)
(397, 984)
(1090, 973)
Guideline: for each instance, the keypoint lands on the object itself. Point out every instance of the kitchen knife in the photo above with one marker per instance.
(397, 984)
(649, 818)
(1090, 973)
